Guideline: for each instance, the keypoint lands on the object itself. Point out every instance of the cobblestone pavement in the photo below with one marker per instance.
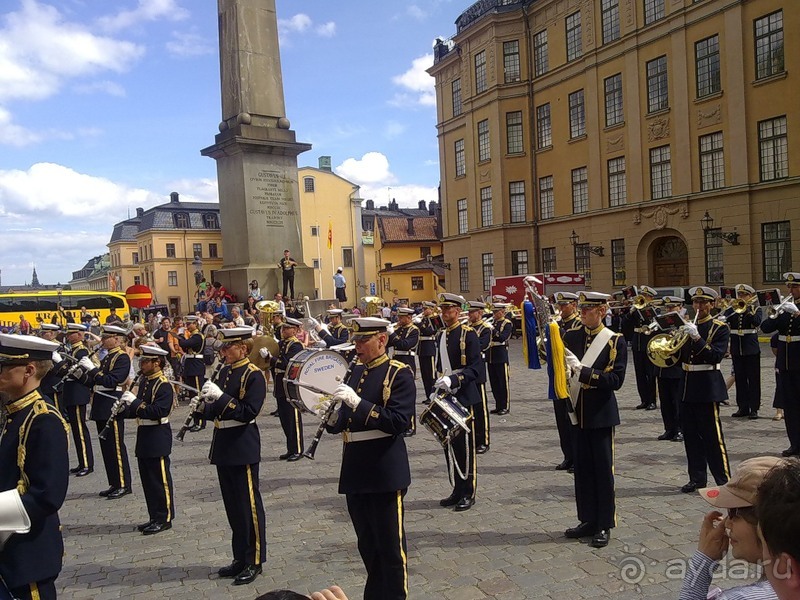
(510, 545)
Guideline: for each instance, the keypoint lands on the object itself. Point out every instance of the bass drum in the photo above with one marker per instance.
(320, 369)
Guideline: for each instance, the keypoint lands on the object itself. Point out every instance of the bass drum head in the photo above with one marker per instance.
(323, 369)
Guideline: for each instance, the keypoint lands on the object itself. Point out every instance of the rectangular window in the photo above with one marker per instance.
(544, 128)
(137, 280)
(511, 61)
(135, 258)
(657, 88)
(583, 261)
(462, 215)
(315, 231)
(417, 283)
(347, 257)
(486, 206)
(617, 186)
(197, 250)
(660, 173)
(487, 265)
(773, 149)
(580, 190)
(308, 184)
(712, 165)
(315, 263)
(609, 11)
(540, 60)
(463, 274)
(212, 251)
(519, 262)
(483, 141)
(516, 194)
(613, 92)
(706, 58)
(715, 272)
(574, 42)
(514, 132)
(769, 45)
(577, 115)
(549, 260)
(653, 11)
(170, 250)
(776, 241)
(546, 203)
(424, 251)
(172, 278)
(480, 72)
(618, 261)
(461, 163)
(456, 91)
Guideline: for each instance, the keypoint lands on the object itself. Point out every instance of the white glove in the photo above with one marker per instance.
(443, 383)
(632, 309)
(691, 329)
(791, 308)
(323, 406)
(86, 364)
(265, 354)
(573, 363)
(127, 398)
(390, 328)
(210, 391)
(56, 358)
(194, 404)
(115, 407)
(314, 323)
(347, 395)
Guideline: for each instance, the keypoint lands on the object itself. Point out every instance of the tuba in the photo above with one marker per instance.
(371, 305)
(267, 308)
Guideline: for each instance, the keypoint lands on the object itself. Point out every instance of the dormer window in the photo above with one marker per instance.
(181, 220)
(210, 221)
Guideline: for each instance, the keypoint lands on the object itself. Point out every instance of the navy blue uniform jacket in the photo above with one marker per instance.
(705, 386)
(498, 349)
(114, 370)
(75, 392)
(788, 352)
(464, 352)
(154, 401)
(193, 346)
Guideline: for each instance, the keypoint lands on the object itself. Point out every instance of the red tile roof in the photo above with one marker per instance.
(395, 229)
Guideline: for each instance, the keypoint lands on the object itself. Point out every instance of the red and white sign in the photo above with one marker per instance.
(513, 286)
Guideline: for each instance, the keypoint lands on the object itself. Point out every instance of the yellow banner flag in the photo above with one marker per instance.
(330, 234)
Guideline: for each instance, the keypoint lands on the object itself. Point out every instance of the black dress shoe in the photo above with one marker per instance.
(291, 458)
(285, 456)
(504, 411)
(753, 415)
(105, 493)
(248, 575)
(451, 500)
(482, 449)
(741, 413)
(464, 504)
(790, 451)
(75, 470)
(691, 487)
(641, 406)
(667, 435)
(232, 570)
(144, 526)
(600, 539)
(155, 528)
(651, 406)
(582, 530)
(426, 402)
(119, 493)
(195, 428)
(274, 413)
(677, 438)
(564, 465)
(409, 433)
(84, 472)
(571, 470)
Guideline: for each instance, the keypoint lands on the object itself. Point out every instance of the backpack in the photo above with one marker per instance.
(208, 353)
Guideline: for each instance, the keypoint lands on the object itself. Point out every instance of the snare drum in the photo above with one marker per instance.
(322, 369)
(446, 419)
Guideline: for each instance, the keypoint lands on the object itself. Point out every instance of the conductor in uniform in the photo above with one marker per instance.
(459, 362)
(475, 312)
(194, 369)
(568, 307)
(234, 400)
(497, 358)
(34, 469)
(596, 361)
(76, 398)
(377, 403)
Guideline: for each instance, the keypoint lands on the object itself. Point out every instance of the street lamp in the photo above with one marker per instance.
(429, 259)
(596, 250)
(707, 223)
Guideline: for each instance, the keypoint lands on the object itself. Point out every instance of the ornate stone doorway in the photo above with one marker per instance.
(670, 262)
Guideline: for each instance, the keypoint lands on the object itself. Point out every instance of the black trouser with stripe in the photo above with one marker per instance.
(157, 486)
(196, 381)
(594, 477)
(463, 447)
(565, 429)
(645, 377)
(76, 415)
(427, 370)
(41, 590)
(747, 373)
(245, 510)
(481, 412)
(790, 384)
(292, 423)
(498, 378)
(115, 454)
(704, 442)
(378, 520)
(670, 393)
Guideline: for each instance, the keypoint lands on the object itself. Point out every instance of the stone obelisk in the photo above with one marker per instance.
(256, 154)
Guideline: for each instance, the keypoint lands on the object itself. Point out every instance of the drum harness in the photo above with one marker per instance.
(448, 370)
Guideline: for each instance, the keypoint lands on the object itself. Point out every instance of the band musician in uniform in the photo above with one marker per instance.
(428, 325)
(568, 308)
(34, 470)
(596, 360)
(669, 381)
(76, 398)
(291, 419)
(746, 352)
(334, 332)
(497, 358)
(475, 312)
(404, 339)
(151, 407)
(49, 331)
(644, 369)
(459, 361)
(377, 403)
(194, 369)
(234, 400)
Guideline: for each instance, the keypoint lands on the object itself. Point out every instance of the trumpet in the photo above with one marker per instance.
(779, 308)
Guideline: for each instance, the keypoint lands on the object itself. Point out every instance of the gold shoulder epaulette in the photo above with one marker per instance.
(397, 364)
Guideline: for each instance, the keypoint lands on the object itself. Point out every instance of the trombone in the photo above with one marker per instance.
(741, 306)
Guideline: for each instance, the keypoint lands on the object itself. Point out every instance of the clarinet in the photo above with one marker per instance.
(60, 383)
(187, 424)
(116, 409)
(321, 429)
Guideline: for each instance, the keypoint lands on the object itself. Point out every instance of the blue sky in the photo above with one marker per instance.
(104, 107)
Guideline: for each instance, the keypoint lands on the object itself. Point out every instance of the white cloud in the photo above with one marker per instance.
(185, 45)
(372, 168)
(326, 29)
(418, 87)
(146, 10)
(12, 134)
(300, 24)
(407, 196)
(196, 190)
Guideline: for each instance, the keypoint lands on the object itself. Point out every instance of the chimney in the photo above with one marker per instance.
(422, 205)
(432, 208)
(140, 212)
(325, 163)
(174, 198)
(393, 205)
(370, 204)
(411, 225)
(387, 266)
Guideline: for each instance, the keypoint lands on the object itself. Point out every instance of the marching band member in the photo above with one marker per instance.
(458, 352)
(113, 371)
(668, 381)
(291, 419)
(475, 312)
(34, 469)
(703, 391)
(151, 407)
(426, 351)
(194, 369)
(76, 398)
(377, 404)
(497, 358)
(48, 331)
(234, 400)
(568, 308)
(644, 369)
(597, 361)
(336, 329)
(746, 353)
(404, 338)
(786, 322)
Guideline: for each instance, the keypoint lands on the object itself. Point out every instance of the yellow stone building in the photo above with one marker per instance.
(647, 141)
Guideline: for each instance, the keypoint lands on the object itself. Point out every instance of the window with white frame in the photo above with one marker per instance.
(516, 195)
(577, 115)
(660, 173)
(540, 59)
(462, 215)
(773, 149)
(712, 163)
(574, 41)
(511, 61)
(484, 145)
(617, 185)
(580, 190)
(769, 45)
(613, 93)
(486, 206)
(546, 201)
(514, 132)
(544, 129)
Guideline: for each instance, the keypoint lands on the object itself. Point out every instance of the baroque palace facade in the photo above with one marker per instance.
(635, 141)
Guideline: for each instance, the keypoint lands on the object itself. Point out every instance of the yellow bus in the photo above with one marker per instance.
(52, 306)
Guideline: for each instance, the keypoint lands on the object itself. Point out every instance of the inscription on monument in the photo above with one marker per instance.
(271, 194)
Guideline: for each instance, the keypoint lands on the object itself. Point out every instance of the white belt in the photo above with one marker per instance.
(229, 424)
(363, 436)
(700, 367)
(743, 331)
(497, 344)
(105, 389)
(193, 356)
(429, 338)
(789, 338)
(404, 353)
(641, 330)
(149, 422)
